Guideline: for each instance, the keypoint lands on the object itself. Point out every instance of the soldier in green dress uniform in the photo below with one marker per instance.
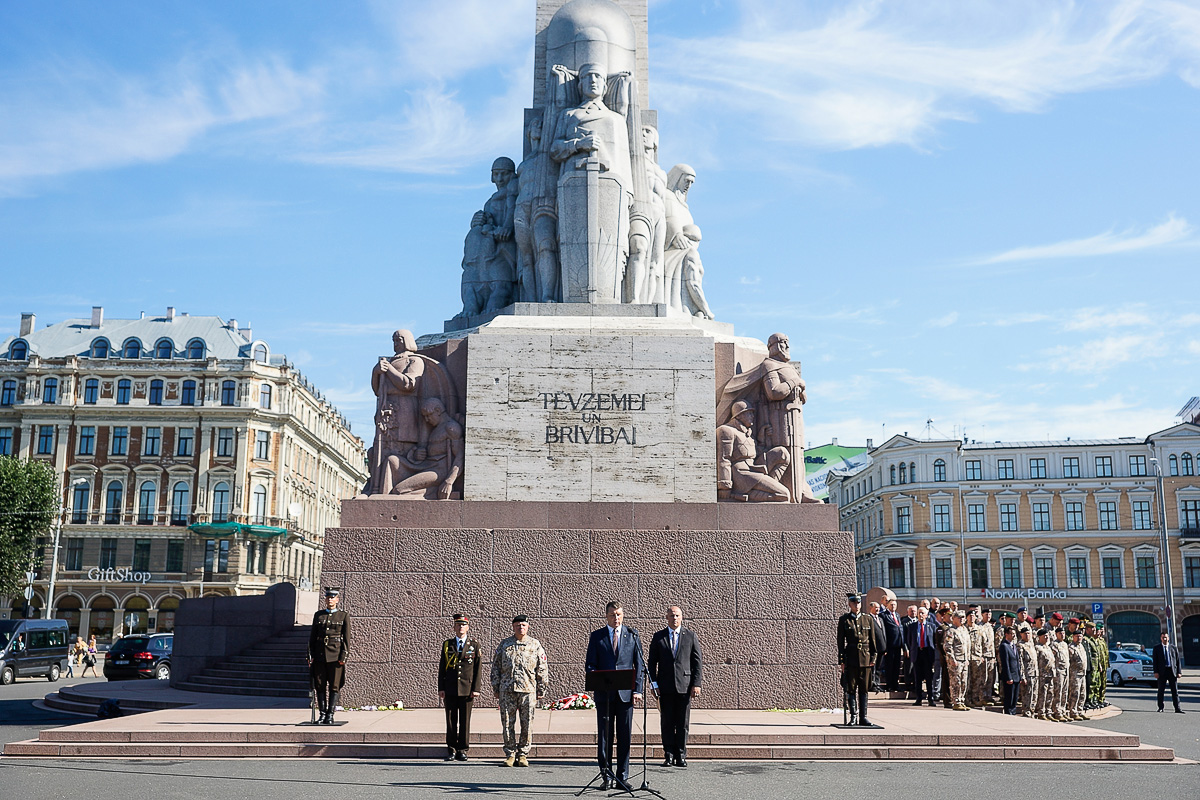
(328, 648)
(856, 655)
(459, 673)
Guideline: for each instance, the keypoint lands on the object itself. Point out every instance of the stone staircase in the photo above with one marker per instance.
(74, 701)
(275, 667)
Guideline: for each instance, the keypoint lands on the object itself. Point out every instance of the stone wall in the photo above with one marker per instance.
(762, 586)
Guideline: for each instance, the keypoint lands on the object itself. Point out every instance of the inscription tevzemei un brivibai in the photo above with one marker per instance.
(589, 405)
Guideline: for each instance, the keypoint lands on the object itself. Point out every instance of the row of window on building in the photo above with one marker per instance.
(1112, 572)
(113, 512)
(164, 349)
(1006, 470)
(152, 441)
(297, 562)
(91, 392)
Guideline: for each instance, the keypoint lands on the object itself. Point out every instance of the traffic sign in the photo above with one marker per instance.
(28, 592)
(1097, 608)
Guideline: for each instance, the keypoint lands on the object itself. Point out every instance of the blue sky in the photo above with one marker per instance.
(979, 213)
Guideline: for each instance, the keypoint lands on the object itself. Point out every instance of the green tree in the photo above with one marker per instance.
(28, 503)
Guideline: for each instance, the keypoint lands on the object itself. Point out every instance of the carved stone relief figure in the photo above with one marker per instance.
(401, 385)
(647, 236)
(741, 473)
(595, 186)
(490, 252)
(694, 301)
(534, 222)
(776, 389)
(683, 235)
(430, 475)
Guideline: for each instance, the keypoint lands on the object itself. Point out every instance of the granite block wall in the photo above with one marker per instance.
(763, 602)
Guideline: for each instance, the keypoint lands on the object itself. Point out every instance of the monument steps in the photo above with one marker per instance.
(70, 700)
(275, 667)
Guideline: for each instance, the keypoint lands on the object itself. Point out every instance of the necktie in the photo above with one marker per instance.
(614, 640)
(460, 644)
(674, 642)
(1167, 655)
(922, 642)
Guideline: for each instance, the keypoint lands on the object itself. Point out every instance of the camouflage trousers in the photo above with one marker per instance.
(1045, 697)
(958, 682)
(991, 676)
(1062, 690)
(976, 675)
(1077, 693)
(517, 707)
(1029, 696)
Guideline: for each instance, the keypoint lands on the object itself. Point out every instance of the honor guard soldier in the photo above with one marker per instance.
(458, 685)
(328, 647)
(856, 655)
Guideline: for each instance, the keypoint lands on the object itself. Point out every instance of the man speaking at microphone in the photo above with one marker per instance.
(615, 646)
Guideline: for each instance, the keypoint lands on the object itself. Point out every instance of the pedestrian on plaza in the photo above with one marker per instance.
(1167, 670)
(78, 650)
(1077, 678)
(958, 654)
(1046, 669)
(921, 648)
(1011, 678)
(459, 672)
(520, 676)
(1029, 671)
(89, 662)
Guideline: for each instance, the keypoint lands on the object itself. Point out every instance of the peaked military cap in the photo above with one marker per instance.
(332, 591)
(460, 617)
(853, 597)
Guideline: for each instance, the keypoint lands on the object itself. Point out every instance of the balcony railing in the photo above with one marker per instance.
(1189, 534)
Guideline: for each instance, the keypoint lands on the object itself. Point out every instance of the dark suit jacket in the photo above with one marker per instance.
(893, 634)
(679, 671)
(1160, 660)
(912, 637)
(459, 674)
(1009, 661)
(629, 656)
(880, 637)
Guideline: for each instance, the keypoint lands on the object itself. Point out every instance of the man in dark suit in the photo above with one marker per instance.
(615, 646)
(676, 668)
(880, 645)
(458, 686)
(920, 650)
(894, 636)
(1009, 662)
(1167, 670)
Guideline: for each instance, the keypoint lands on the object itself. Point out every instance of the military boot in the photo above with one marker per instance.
(522, 761)
(510, 759)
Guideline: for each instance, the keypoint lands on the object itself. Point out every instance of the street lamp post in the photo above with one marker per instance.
(1168, 588)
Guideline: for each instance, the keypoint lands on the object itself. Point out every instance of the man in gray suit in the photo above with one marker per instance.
(676, 668)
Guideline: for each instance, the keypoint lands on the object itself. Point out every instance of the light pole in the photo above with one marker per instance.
(58, 523)
(1162, 533)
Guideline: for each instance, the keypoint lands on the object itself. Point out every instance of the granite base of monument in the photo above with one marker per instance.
(760, 583)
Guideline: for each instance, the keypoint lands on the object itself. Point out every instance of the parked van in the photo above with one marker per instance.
(32, 647)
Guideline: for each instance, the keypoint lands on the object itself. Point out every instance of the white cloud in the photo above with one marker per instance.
(85, 116)
(872, 73)
(1193, 347)
(943, 322)
(1101, 355)
(747, 281)
(1086, 319)
(1174, 230)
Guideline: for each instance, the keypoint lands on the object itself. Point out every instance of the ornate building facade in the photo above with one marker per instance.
(1062, 525)
(193, 460)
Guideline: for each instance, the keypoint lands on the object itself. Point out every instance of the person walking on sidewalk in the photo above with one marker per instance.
(458, 685)
(519, 679)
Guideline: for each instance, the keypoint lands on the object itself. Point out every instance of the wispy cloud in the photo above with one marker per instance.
(1086, 319)
(748, 281)
(1173, 231)
(1100, 355)
(943, 322)
(872, 73)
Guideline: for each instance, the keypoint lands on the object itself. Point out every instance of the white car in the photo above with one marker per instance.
(1129, 665)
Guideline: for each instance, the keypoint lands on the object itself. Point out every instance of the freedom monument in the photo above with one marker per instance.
(584, 429)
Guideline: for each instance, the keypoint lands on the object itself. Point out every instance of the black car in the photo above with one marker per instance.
(140, 656)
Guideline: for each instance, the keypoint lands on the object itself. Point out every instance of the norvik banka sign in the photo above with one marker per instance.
(1025, 594)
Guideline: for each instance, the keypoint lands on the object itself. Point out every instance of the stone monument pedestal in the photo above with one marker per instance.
(760, 583)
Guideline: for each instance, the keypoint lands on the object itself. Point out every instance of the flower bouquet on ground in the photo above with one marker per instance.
(579, 700)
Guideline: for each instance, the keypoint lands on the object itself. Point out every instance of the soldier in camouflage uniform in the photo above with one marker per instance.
(1062, 674)
(1078, 676)
(1046, 669)
(957, 647)
(1029, 667)
(976, 673)
(1097, 668)
(519, 679)
(988, 640)
(1102, 655)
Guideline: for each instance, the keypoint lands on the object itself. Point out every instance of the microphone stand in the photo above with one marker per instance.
(645, 787)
